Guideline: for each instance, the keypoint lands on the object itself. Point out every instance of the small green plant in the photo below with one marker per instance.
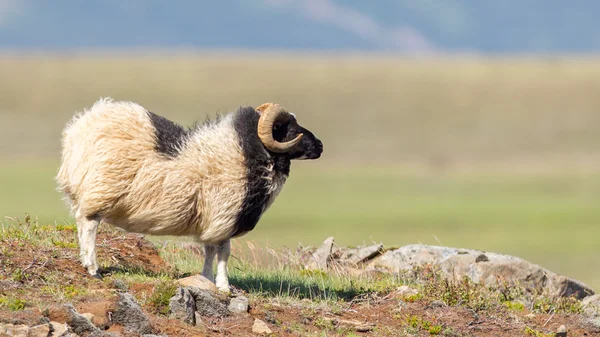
(159, 300)
(514, 306)
(417, 323)
(532, 332)
(14, 304)
(63, 244)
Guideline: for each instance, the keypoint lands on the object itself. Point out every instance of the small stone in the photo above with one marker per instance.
(58, 329)
(42, 330)
(364, 328)
(238, 305)
(437, 304)
(561, 332)
(406, 291)
(183, 306)
(197, 281)
(260, 327)
(16, 330)
(321, 257)
(530, 316)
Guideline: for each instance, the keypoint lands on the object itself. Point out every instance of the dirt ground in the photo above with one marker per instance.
(37, 275)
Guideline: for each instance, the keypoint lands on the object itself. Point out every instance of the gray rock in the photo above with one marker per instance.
(120, 285)
(357, 255)
(129, 314)
(321, 257)
(591, 305)
(260, 327)
(59, 329)
(209, 303)
(42, 330)
(19, 330)
(80, 324)
(183, 306)
(481, 267)
(238, 305)
(150, 335)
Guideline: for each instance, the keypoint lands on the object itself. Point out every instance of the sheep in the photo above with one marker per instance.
(131, 168)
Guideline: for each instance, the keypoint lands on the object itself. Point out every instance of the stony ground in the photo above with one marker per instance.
(39, 277)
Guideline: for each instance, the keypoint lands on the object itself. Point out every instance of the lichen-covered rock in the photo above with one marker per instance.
(129, 314)
(80, 324)
(481, 267)
(209, 303)
(354, 256)
(238, 305)
(183, 306)
(319, 259)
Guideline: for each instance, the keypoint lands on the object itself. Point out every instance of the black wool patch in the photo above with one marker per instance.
(256, 159)
(169, 135)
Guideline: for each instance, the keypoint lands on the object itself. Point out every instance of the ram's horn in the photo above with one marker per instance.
(269, 114)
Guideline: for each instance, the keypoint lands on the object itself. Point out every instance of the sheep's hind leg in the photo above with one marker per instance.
(223, 252)
(87, 228)
(209, 256)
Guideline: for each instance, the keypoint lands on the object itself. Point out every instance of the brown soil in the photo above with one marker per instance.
(374, 317)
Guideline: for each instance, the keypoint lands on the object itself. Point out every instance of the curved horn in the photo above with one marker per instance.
(269, 114)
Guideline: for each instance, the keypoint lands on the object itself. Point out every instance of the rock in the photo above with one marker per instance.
(354, 256)
(437, 304)
(238, 305)
(561, 331)
(42, 330)
(58, 329)
(321, 257)
(260, 327)
(19, 330)
(89, 316)
(591, 305)
(120, 285)
(197, 281)
(404, 292)
(183, 306)
(129, 314)
(79, 323)
(209, 303)
(456, 263)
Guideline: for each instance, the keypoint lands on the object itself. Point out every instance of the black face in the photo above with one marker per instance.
(310, 147)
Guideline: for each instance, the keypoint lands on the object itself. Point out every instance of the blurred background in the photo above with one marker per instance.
(462, 123)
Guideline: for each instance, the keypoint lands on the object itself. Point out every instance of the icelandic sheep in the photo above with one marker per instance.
(131, 168)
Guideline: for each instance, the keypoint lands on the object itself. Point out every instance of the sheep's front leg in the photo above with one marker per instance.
(223, 252)
(87, 228)
(210, 251)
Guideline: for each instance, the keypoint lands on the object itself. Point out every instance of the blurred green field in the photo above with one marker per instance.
(493, 154)
(551, 219)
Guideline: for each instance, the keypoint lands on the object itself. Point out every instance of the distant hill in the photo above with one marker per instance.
(488, 26)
